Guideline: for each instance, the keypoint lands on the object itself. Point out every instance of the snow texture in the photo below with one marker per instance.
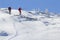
(30, 25)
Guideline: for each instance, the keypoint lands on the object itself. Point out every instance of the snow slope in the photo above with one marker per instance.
(29, 26)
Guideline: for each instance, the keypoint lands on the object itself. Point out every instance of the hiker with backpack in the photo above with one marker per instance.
(19, 9)
(9, 9)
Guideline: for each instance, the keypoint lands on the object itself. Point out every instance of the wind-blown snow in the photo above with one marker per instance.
(29, 26)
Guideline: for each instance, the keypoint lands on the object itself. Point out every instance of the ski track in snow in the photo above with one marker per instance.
(28, 26)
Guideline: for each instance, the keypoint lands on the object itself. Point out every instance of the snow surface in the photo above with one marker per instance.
(31, 25)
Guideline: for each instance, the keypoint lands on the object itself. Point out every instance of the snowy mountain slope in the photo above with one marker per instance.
(28, 26)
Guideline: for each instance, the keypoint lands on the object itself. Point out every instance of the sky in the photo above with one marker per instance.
(51, 5)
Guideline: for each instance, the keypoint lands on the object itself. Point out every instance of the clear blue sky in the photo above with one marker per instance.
(52, 5)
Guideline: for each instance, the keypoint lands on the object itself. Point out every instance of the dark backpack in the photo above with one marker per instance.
(9, 8)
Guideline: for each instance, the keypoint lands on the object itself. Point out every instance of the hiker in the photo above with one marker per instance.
(9, 8)
(19, 9)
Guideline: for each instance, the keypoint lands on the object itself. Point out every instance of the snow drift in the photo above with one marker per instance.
(32, 25)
